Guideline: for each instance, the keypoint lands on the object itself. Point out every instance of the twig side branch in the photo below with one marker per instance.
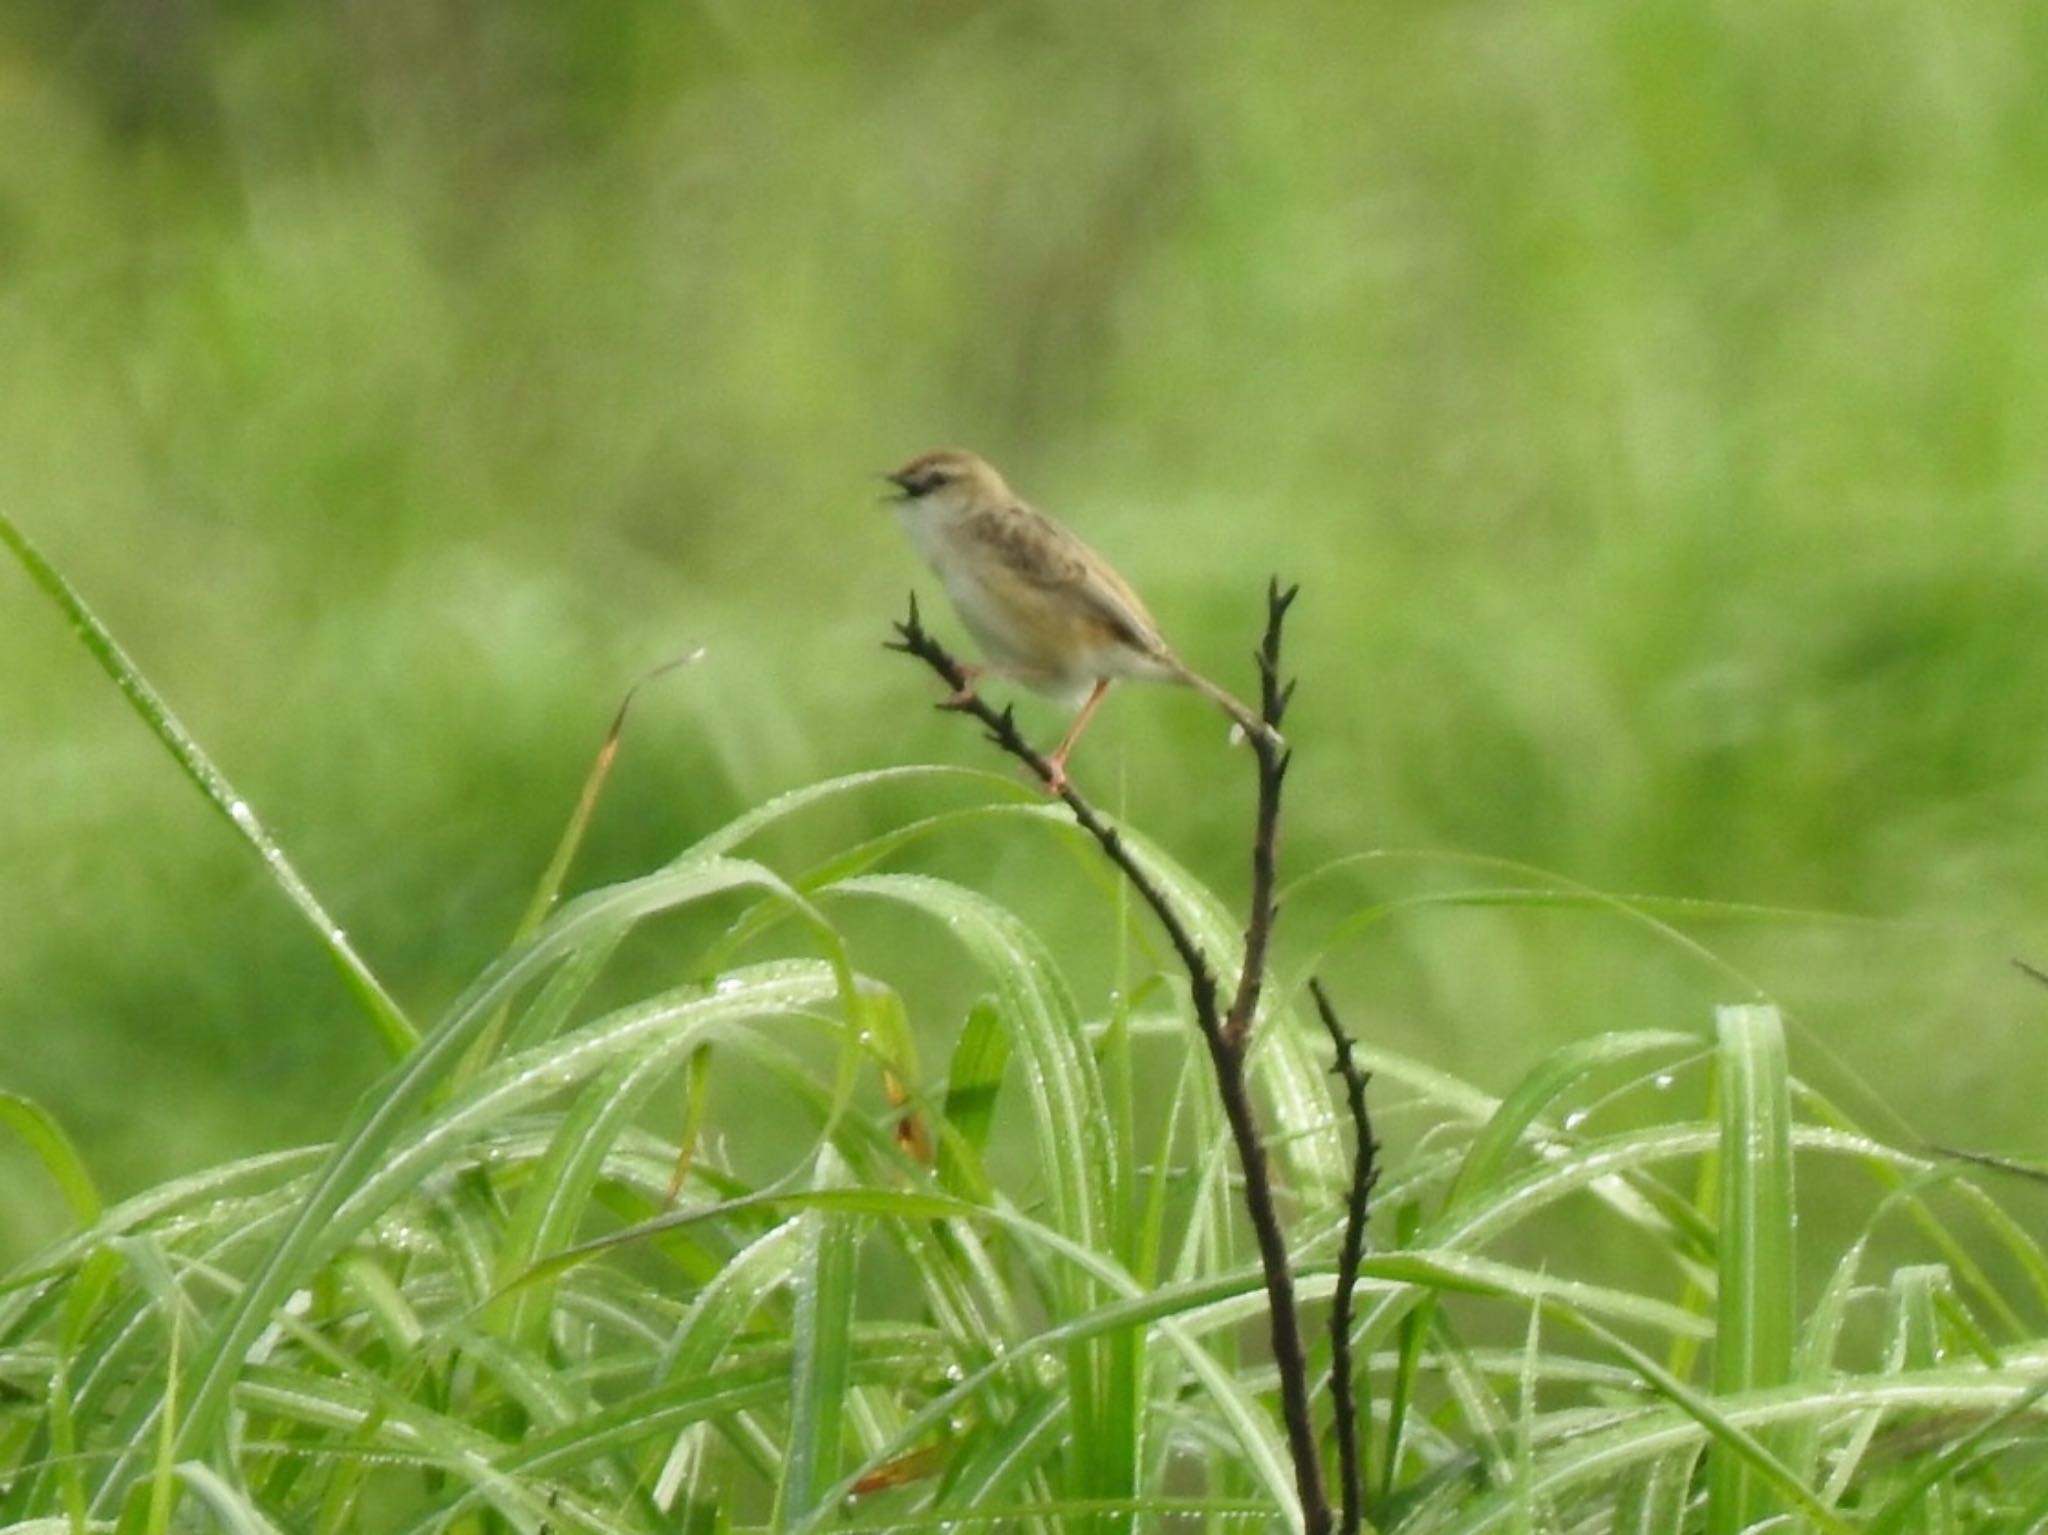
(1365, 1177)
(1273, 758)
(1226, 1033)
(1000, 727)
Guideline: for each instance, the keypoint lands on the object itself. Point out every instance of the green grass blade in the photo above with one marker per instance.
(232, 1509)
(553, 1203)
(1929, 1481)
(1136, 1306)
(1594, 1459)
(742, 829)
(549, 890)
(1756, 1313)
(390, 1107)
(385, 1015)
(1003, 1457)
(38, 1129)
(1556, 1073)
(723, 1306)
(1654, 1496)
(1816, 1362)
(162, 1485)
(1064, 1088)
(64, 1449)
(1528, 1514)
(1442, 1271)
(1060, 1079)
(819, 1356)
(980, 1057)
(1732, 1440)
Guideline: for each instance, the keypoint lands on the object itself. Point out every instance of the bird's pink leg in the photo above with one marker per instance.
(1058, 760)
(963, 695)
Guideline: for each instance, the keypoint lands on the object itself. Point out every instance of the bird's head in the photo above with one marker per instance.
(949, 478)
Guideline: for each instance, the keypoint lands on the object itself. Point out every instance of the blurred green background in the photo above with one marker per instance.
(1651, 397)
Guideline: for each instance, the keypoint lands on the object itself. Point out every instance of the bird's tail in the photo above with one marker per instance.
(1244, 718)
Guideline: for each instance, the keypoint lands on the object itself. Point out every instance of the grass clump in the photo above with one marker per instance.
(518, 1291)
(477, 1308)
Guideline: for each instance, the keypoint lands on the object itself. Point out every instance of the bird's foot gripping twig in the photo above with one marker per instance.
(964, 694)
(913, 639)
(1000, 725)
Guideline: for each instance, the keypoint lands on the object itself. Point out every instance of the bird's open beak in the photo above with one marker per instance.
(896, 479)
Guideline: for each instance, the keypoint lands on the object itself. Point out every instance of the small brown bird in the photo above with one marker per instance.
(1046, 609)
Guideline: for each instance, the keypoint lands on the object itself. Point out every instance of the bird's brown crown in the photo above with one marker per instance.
(943, 468)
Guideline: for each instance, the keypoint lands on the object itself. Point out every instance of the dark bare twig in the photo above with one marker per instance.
(1273, 759)
(1365, 1177)
(1000, 725)
(1226, 1034)
(2032, 972)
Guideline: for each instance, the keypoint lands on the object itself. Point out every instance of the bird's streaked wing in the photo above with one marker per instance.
(1040, 551)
